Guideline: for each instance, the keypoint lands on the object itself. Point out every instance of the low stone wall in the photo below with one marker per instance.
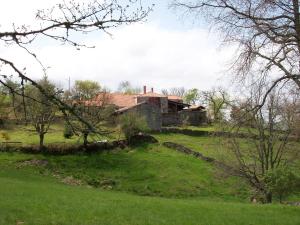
(230, 170)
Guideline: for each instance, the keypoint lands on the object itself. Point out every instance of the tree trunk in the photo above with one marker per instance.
(42, 135)
(85, 139)
(268, 197)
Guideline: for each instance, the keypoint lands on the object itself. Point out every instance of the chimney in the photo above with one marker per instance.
(152, 91)
(145, 89)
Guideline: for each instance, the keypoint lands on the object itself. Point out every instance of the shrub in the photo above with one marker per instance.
(5, 136)
(132, 124)
(68, 132)
(282, 182)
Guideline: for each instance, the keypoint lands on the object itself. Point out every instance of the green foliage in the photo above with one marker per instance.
(68, 132)
(282, 182)
(192, 96)
(5, 136)
(131, 124)
(86, 89)
(217, 101)
(127, 88)
(5, 102)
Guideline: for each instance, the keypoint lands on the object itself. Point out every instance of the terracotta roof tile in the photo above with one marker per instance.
(118, 99)
(151, 94)
(174, 97)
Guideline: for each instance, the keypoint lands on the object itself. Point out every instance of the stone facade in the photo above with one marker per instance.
(160, 102)
(194, 118)
(150, 112)
(171, 119)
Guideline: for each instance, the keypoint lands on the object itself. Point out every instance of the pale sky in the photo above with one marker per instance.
(166, 51)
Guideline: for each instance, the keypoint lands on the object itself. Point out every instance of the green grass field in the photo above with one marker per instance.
(146, 184)
(27, 197)
(26, 135)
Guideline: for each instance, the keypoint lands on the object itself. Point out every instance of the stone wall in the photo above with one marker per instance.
(171, 119)
(194, 118)
(160, 102)
(164, 105)
(151, 113)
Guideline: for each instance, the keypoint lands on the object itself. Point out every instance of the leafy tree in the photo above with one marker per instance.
(282, 182)
(14, 97)
(86, 89)
(192, 96)
(4, 106)
(217, 100)
(132, 124)
(68, 131)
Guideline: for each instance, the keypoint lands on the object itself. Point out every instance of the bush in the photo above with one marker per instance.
(68, 132)
(5, 136)
(282, 182)
(132, 124)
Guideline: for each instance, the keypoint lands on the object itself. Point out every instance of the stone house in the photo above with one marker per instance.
(159, 110)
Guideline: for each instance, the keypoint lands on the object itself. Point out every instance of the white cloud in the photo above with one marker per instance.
(22, 12)
(143, 54)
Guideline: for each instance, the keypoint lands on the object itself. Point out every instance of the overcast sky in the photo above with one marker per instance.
(166, 51)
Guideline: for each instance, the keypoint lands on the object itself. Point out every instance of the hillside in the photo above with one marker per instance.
(145, 184)
(33, 198)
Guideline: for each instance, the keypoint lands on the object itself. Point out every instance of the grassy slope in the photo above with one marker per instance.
(146, 170)
(30, 194)
(34, 199)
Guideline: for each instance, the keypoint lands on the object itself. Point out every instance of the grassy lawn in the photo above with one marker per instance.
(33, 199)
(28, 136)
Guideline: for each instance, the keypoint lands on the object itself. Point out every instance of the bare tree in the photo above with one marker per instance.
(127, 88)
(96, 111)
(58, 23)
(177, 91)
(39, 108)
(267, 144)
(267, 32)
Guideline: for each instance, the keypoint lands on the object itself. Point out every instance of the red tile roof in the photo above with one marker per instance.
(126, 100)
(151, 94)
(174, 98)
(119, 99)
